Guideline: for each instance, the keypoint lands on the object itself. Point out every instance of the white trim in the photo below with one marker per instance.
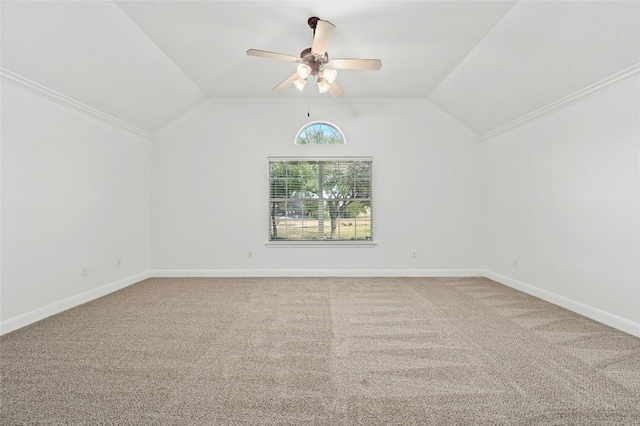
(284, 101)
(23, 83)
(580, 308)
(349, 101)
(321, 243)
(327, 100)
(257, 273)
(182, 118)
(606, 84)
(321, 158)
(598, 315)
(25, 319)
(452, 120)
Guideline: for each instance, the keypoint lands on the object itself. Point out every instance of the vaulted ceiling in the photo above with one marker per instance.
(483, 63)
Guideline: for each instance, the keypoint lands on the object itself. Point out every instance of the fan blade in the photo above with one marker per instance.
(288, 82)
(356, 64)
(322, 37)
(272, 55)
(335, 90)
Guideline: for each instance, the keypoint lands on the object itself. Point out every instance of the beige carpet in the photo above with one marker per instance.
(319, 351)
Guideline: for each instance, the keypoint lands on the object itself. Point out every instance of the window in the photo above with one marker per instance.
(320, 201)
(320, 133)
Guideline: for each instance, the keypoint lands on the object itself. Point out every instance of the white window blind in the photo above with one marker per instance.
(320, 200)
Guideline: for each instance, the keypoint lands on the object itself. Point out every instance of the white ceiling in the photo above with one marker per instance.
(483, 63)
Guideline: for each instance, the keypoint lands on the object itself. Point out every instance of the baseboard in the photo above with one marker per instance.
(25, 319)
(160, 273)
(595, 314)
(615, 321)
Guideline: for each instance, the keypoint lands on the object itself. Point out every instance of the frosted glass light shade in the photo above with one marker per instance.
(303, 70)
(330, 75)
(300, 83)
(323, 86)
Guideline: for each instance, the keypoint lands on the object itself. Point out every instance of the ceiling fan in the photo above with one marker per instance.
(315, 61)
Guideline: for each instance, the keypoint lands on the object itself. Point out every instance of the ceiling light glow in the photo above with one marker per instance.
(300, 83)
(304, 70)
(323, 86)
(330, 75)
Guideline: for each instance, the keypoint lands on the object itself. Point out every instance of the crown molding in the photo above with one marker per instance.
(599, 87)
(452, 120)
(33, 87)
(323, 100)
(301, 101)
(182, 118)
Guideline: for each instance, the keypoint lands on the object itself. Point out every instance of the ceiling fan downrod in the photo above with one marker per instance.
(313, 23)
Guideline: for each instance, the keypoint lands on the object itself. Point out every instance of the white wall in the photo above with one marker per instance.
(209, 191)
(75, 192)
(562, 195)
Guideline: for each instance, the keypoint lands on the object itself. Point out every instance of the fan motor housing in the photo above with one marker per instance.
(314, 61)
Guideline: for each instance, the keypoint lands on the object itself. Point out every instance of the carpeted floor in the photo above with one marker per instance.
(319, 351)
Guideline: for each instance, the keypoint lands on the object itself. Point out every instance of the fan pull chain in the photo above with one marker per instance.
(308, 109)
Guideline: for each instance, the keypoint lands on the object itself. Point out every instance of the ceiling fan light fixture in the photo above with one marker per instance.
(323, 86)
(300, 83)
(314, 61)
(303, 70)
(330, 75)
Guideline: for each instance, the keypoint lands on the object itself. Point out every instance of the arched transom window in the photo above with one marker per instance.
(320, 133)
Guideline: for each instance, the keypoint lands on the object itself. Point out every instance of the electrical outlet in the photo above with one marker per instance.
(413, 254)
(515, 261)
(119, 262)
(250, 254)
(85, 271)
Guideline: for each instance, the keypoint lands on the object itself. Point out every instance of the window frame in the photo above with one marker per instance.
(320, 242)
(314, 123)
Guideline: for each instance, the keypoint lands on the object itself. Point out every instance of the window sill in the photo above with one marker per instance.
(313, 244)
